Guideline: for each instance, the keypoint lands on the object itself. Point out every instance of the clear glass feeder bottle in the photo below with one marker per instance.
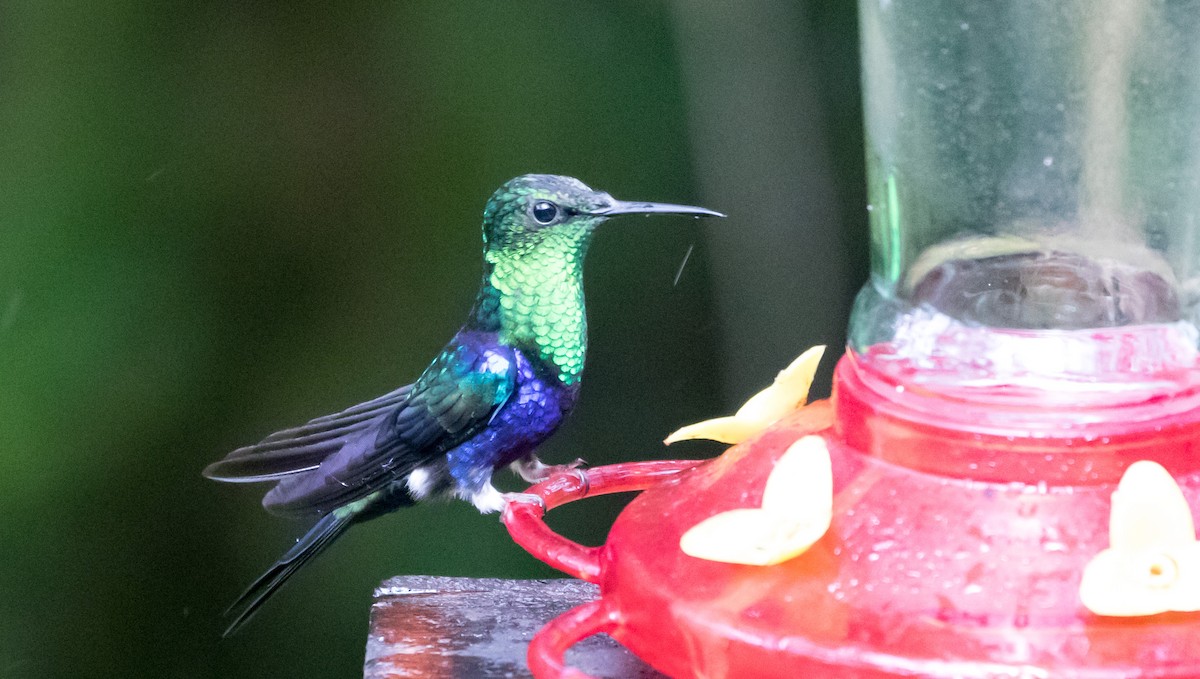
(1034, 182)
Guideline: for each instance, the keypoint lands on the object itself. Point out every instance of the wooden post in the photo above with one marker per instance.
(473, 628)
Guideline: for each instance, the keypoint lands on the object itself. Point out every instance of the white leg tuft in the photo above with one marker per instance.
(488, 500)
(420, 483)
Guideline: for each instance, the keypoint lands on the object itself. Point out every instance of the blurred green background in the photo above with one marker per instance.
(219, 219)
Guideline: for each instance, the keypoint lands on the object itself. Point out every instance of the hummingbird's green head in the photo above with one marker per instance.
(552, 212)
(536, 229)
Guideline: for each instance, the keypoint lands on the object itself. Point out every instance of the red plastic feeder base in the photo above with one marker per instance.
(956, 549)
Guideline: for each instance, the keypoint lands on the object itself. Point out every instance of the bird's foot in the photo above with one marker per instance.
(533, 470)
(525, 498)
(489, 500)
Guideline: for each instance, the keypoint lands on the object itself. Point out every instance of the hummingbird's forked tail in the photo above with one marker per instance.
(320, 536)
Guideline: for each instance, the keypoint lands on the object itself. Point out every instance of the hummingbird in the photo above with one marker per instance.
(499, 388)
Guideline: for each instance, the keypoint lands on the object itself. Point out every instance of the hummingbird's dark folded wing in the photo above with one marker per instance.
(302, 448)
(454, 399)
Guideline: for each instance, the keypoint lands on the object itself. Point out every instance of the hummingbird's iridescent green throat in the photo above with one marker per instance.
(502, 384)
(536, 231)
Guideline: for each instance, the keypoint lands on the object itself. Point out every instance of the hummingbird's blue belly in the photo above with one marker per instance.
(534, 410)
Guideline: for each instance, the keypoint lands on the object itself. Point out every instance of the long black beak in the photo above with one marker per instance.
(621, 207)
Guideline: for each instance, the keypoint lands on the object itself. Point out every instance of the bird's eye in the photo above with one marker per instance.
(544, 211)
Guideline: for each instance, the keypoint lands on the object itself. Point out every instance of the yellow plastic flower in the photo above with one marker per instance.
(1153, 563)
(797, 508)
(786, 394)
